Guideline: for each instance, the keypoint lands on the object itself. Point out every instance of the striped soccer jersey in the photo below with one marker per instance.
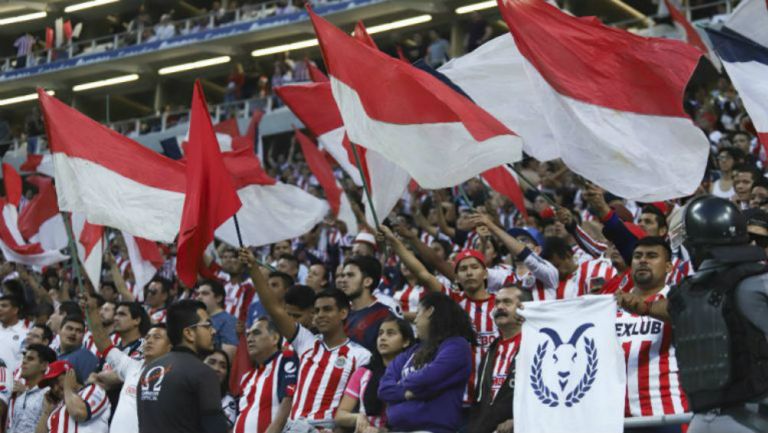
(578, 283)
(480, 314)
(653, 387)
(98, 408)
(505, 355)
(236, 295)
(323, 374)
(263, 388)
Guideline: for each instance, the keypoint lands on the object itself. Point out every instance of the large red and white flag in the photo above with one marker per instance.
(89, 239)
(613, 101)
(119, 183)
(40, 220)
(13, 246)
(415, 118)
(113, 180)
(334, 193)
(12, 182)
(145, 260)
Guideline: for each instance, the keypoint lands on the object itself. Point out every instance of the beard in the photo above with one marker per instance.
(356, 294)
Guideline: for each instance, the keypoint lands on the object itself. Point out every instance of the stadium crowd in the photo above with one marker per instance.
(409, 327)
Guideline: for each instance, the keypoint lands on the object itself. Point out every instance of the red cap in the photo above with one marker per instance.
(54, 370)
(465, 254)
(547, 213)
(661, 205)
(636, 230)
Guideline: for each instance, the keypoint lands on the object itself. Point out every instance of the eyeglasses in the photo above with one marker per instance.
(207, 325)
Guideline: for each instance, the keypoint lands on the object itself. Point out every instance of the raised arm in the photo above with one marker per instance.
(117, 278)
(426, 253)
(284, 323)
(39, 291)
(411, 262)
(100, 335)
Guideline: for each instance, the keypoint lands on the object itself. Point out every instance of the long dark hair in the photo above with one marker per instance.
(374, 406)
(224, 385)
(448, 320)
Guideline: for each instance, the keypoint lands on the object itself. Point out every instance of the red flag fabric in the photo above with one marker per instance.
(48, 38)
(68, 30)
(253, 126)
(12, 182)
(315, 73)
(361, 34)
(211, 198)
(504, 182)
(321, 169)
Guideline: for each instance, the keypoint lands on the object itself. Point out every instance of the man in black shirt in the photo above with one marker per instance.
(177, 392)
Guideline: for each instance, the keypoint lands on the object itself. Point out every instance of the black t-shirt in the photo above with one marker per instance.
(175, 392)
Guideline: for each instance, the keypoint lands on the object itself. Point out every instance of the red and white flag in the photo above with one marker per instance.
(691, 35)
(119, 183)
(13, 246)
(113, 180)
(89, 239)
(145, 260)
(613, 101)
(414, 118)
(40, 220)
(334, 193)
(314, 105)
(502, 180)
(12, 182)
(38, 163)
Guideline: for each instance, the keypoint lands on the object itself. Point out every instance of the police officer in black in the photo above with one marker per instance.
(719, 318)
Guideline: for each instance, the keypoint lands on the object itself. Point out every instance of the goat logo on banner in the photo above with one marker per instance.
(567, 357)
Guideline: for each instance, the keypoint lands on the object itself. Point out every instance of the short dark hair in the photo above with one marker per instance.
(300, 296)
(99, 299)
(13, 299)
(229, 249)
(216, 288)
(73, 318)
(735, 153)
(369, 267)
(70, 308)
(655, 241)
(45, 353)
(342, 300)
(554, 246)
(109, 284)
(661, 219)
(290, 258)
(747, 168)
(287, 279)
(43, 308)
(137, 311)
(761, 182)
(47, 333)
(182, 315)
(165, 283)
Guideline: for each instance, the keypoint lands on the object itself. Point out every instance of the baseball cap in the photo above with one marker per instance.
(54, 370)
(366, 238)
(465, 254)
(528, 232)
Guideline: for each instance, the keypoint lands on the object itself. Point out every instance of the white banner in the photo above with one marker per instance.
(570, 374)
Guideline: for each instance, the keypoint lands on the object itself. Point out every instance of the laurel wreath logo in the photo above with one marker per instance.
(585, 384)
(542, 391)
(550, 398)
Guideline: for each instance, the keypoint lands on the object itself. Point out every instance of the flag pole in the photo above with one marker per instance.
(75, 260)
(366, 187)
(466, 197)
(237, 229)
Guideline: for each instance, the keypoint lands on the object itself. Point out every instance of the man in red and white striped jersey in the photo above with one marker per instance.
(575, 279)
(265, 402)
(239, 289)
(653, 387)
(70, 408)
(492, 409)
(327, 360)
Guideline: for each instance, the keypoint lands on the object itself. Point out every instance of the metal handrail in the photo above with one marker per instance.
(729, 5)
(140, 35)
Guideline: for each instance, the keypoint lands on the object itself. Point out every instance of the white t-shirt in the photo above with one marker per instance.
(126, 417)
(11, 342)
